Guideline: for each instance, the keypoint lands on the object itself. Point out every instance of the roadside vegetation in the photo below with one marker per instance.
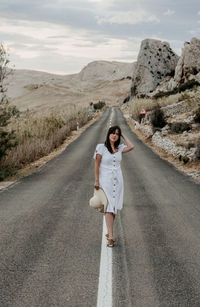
(181, 125)
(8, 139)
(26, 137)
(192, 98)
(38, 135)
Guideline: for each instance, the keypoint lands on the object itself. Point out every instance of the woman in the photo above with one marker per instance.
(108, 174)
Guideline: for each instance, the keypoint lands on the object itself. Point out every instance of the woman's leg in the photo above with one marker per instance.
(109, 216)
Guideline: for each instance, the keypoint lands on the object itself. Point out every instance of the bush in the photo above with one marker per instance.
(197, 116)
(190, 145)
(165, 94)
(188, 85)
(99, 105)
(179, 127)
(38, 135)
(126, 99)
(184, 96)
(197, 152)
(6, 172)
(7, 138)
(157, 117)
(171, 73)
(185, 159)
(181, 88)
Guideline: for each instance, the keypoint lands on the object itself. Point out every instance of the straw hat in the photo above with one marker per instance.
(99, 200)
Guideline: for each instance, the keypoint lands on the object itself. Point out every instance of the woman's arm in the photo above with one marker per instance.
(96, 170)
(129, 145)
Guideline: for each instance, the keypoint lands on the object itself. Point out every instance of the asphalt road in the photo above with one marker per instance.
(50, 240)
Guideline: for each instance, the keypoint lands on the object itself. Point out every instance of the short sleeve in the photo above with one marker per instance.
(99, 150)
(121, 147)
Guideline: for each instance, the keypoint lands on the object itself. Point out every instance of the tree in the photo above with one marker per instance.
(7, 138)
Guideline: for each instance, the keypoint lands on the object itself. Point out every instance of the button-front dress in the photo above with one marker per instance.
(110, 176)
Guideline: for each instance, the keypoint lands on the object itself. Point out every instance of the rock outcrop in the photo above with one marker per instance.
(156, 61)
(187, 69)
(188, 66)
(107, 71)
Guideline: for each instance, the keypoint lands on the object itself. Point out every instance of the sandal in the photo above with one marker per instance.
(107, 236)
(110, 243)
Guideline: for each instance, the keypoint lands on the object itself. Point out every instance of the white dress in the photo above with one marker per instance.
(110, 176)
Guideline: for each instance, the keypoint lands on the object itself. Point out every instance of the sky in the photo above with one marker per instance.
(63, 36)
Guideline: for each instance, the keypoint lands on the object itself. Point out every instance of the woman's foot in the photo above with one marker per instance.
(107, 236)
(110, 243)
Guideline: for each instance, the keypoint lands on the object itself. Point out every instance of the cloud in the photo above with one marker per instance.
(64, 35)
(169, 12)
(131, 17)
(59, 43)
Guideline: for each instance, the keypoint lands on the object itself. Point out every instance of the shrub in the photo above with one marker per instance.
(7, 138)
(197, 152)
(157, 117)
(6, 172)
(171, 73)
(185, 159)
(179, 127)
(197, 116)
(184, 96)
(99, 105)
(165, 94)
(133, 90)
(126, 99)
(142, 96)
(181, 88)
(190, 145)
(188, 85)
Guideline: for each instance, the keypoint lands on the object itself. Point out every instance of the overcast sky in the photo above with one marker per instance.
(62, 36)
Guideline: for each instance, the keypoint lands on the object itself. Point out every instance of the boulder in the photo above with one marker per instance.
(188, 66)
(156, 60)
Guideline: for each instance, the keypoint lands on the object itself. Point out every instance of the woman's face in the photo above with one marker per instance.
(113, 137)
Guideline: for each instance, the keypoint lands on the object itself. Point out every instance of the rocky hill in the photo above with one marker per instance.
(100, 80)
(104, 70)
(159, 69)
(155, 62)
(188, 66)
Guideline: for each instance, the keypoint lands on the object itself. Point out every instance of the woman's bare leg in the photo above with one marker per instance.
(109, 217)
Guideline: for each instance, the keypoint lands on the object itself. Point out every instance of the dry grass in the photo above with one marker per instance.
(135, 105)
(38, 135)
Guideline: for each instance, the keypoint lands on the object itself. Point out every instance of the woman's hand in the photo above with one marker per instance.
(129, 145)
(96, 185)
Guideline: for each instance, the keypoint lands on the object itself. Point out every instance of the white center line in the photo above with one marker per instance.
(104, 298)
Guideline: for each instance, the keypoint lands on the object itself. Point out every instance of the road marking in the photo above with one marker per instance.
(104, 298)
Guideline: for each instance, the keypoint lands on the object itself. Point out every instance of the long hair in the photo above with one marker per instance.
(107, 141)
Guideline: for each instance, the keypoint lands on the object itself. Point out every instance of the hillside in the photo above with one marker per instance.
(36, 91)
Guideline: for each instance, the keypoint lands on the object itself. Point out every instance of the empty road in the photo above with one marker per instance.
(50, 240)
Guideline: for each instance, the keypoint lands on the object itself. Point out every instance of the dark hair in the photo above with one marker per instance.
(107, 142)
